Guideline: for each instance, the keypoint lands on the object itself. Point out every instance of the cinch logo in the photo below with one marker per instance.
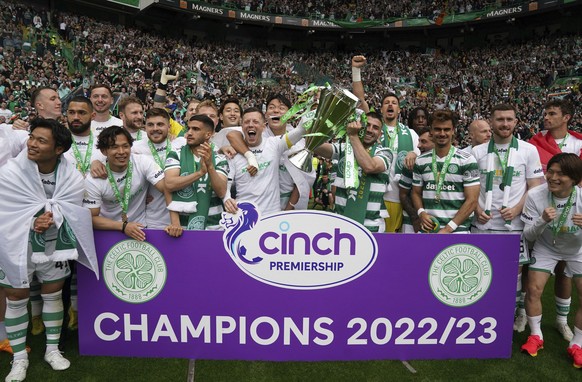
(298, 249)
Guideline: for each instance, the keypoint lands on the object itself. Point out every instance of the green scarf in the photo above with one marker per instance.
(357, 198)
(193, 202)
(403, 147)
(66, 243)
(507, 164)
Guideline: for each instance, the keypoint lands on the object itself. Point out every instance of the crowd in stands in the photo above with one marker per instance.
(361, 10)
(52, 51)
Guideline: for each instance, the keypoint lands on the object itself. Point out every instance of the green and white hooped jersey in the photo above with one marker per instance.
(406, 183)
(462, 172)
(375, 209)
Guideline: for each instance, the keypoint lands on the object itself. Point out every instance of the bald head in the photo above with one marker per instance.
(479, 132)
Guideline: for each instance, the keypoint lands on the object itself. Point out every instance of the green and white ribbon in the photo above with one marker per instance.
(561, 144)
(439, 176)
(507, 163)
(83, 164)
(155, 154)
(557, 226)
(303, 105)
(123, 200)
(351, 167)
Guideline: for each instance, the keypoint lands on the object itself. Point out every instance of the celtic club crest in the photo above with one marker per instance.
(460, 275)
(134, 271)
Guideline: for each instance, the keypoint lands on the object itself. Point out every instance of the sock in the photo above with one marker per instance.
(16, 321)
(535, 325)
(577, 339)
(35, 299)
(517, 294)
(74, 291)
(52, 316)
(2, 331)
(521, 304)
(562, 309)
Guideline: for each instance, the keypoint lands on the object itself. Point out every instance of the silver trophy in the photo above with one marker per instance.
(335, 108)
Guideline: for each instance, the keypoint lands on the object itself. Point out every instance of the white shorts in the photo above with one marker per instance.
(544, 260)
(49, 272)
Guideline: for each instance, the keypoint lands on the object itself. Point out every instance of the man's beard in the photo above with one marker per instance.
(79, 129)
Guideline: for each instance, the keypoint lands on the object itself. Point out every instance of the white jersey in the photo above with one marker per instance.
(263, 188)
(393, 193)
(571, 145)
(139, 135)
(97, 127)
(157, 216)
(49, 183)
(569, 239)
(220, 140)
(468, 149)
(99, 193)
(289, 176)
(178, 143)
(527, 165)
(83, 144)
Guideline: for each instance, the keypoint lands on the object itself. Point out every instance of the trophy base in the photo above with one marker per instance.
(303, 160)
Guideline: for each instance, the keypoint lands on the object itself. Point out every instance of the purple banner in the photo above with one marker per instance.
(418, 296)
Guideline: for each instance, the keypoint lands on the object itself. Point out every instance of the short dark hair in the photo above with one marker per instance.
(374, 114)
(126, 101)
(423, 130)
(253, 110)
(61, 134)
(82, 99)
(570, 164)
(206, 121)
(565, 106)
(37, 92)
(280, 97)
(443, 116)
(157, 112)
(97, 86)
(107, 137)
(503, 107)
(227, 101)
(390, 94)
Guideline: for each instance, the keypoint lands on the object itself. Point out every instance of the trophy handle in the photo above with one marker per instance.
(303, 160)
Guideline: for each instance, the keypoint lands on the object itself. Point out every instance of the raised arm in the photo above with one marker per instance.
(161, 91)
(358, 62)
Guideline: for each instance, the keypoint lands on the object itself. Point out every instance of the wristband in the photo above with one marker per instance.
(453, 225)
(420, 210)
(123, 226)
(159, 98)
(251, 159)
(356, 74)
(162, 86)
